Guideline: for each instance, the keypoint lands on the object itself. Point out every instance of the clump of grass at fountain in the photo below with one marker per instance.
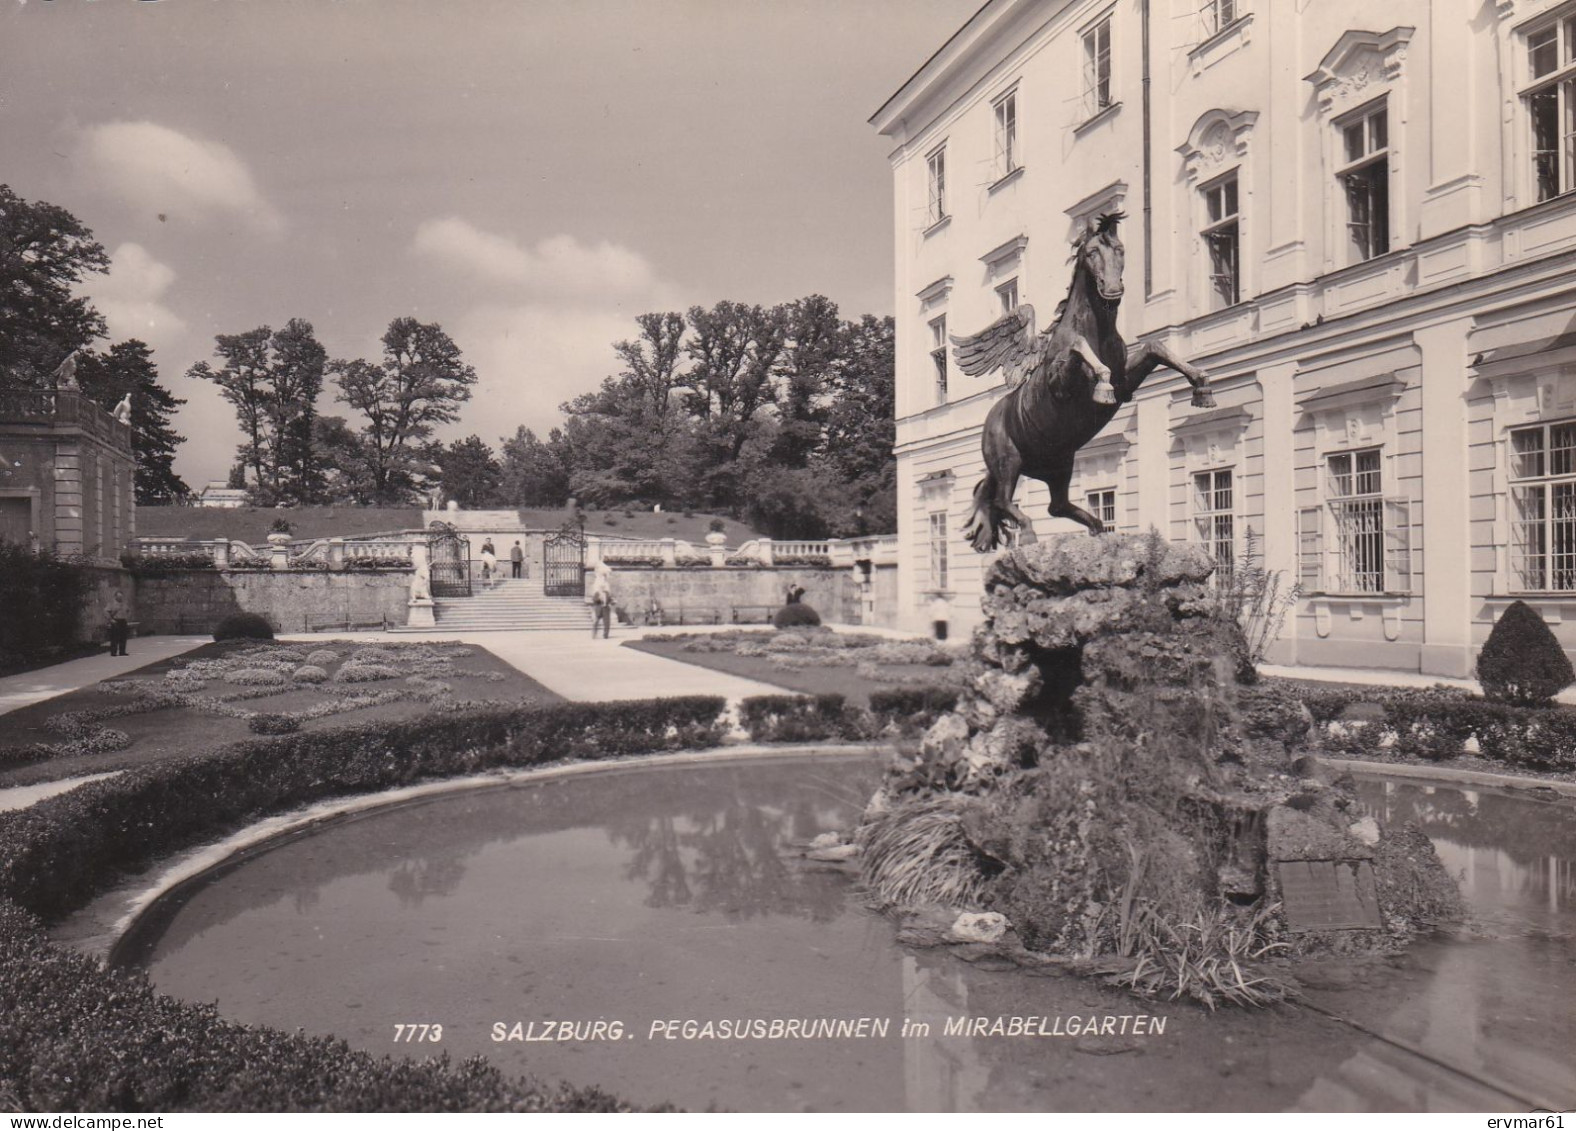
(1107, 786)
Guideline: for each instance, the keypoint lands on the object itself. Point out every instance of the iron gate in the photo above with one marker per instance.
(448, 561)
(564, 562)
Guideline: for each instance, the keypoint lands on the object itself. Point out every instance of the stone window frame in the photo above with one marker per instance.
(1361, 69)
(1217, 149)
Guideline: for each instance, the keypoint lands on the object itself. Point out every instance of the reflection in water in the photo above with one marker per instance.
(1493, 999)
(647, 895)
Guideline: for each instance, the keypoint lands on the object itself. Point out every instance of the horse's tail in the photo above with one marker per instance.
(984, 529)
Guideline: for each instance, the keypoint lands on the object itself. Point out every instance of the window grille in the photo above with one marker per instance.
(1214, 524)
(1360, 541)
(1543, 508)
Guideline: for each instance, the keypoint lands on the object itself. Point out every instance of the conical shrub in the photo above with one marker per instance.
(1521, 661)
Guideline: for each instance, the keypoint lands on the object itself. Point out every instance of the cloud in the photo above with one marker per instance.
(164, 171)
(531, 358)
(559, 266)
(131, 298)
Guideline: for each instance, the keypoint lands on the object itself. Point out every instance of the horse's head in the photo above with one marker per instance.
(1099, 249)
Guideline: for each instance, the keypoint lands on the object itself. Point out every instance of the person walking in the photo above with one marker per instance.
(517, 559)
(119, 627)
(489, 563)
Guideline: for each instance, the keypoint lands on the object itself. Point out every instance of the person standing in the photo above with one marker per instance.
(602, 601)
(119, 627)
(516, 559)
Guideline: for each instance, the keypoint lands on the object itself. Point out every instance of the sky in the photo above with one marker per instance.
(530, 174)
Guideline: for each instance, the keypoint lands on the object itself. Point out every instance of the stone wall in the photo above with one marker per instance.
(834, 593)
(195, 601)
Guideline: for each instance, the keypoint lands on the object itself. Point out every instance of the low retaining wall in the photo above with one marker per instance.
(837, 594)
(195, 601)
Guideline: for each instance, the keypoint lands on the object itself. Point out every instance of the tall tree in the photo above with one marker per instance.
(861, 426)
(533, 473)
(299, 362)
(273, 379)
(128, 369)
(814, 347)
(735, 350)
(243, 381)
(420, 383)
(45, 251)
(471, 474)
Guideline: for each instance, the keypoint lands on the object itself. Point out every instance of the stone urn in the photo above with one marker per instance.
(717, 546)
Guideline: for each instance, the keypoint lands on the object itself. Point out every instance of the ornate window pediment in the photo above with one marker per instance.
(1218, 140)
(1357, 66)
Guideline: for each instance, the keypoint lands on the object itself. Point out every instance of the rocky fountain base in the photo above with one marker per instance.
(1110, 791)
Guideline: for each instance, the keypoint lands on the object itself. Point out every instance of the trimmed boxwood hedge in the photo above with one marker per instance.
(77, 1037)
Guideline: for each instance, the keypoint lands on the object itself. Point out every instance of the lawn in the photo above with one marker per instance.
(814, 662)
(206, 698)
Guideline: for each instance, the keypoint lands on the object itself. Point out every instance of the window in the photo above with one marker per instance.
(1217, 14)
(1214, 525)
(1007, 294)
(1543, 507)
(1006, 135)
(1097, 68)
(938, 356)
(1220, 239)
(1357, 508)
(1102, 504)
(936, 176)
(938, 550)
(1365, 177)
(1551, 106)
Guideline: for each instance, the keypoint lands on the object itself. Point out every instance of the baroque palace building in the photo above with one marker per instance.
(1357, 218)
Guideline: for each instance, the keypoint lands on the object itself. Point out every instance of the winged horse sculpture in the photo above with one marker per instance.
(1067, 384)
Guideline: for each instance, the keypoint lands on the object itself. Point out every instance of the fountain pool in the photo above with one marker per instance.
(652, 931)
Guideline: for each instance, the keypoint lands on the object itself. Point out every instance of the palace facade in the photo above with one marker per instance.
(1357, 218)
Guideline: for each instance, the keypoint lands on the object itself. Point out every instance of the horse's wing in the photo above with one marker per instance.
(1008, 343)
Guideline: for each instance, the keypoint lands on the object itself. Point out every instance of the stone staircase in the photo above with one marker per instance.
(510, 605)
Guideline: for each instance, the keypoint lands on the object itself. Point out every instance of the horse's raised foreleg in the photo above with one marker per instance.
(1154, 355)
(1103, 392)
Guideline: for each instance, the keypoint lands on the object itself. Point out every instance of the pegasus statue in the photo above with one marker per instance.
(1067, 383)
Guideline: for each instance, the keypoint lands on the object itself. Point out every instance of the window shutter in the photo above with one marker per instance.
(1310, 549)
(1398, 545)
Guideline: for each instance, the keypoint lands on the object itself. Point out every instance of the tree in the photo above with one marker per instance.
(815, 345)
(128, 369)
(533, 473)
(471, 473)
(340, 452)
(735, 351)
(420, 383)
(861, 429)
(45, 251)
(273, 379)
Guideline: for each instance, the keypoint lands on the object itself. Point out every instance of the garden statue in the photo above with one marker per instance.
(1068, 382)
(65, 374)
(123, 410)
(421, 582)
